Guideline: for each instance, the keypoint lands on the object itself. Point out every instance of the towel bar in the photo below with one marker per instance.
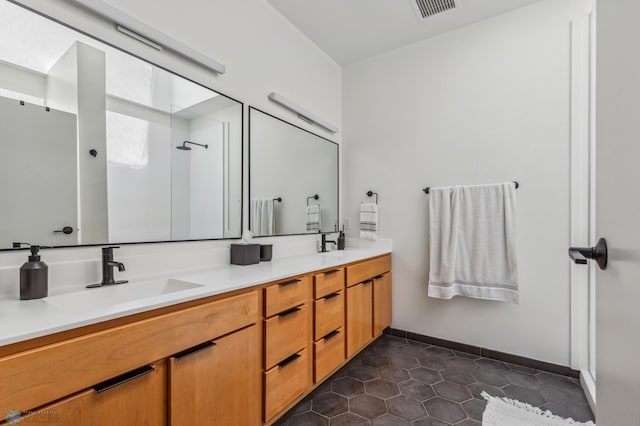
(426, 190)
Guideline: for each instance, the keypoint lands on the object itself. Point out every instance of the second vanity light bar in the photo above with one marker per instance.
(150, 36)
(303, 114)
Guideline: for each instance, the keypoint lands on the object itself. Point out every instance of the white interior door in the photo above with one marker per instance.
(618, 212)
(38, 169)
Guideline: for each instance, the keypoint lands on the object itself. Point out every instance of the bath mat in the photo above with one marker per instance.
(511, 412)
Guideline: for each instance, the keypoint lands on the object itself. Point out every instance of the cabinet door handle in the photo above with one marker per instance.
(367, 282)
(378, 277)
(288, 360)
(123, 378)
(331, 296)
(286, 283)
(331, 335)
(333, 271)
(194, 350)
(288, 312)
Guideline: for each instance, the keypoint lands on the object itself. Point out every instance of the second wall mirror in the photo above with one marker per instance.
(293, 182)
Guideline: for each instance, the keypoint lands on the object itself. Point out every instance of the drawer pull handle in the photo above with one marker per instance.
(331, 335)
(288, 312)
(123, 378)
(331, 296)
(286, 283)
(194, 350)
(367, 282)
(288, 360)
(333, 271)
(378, 277)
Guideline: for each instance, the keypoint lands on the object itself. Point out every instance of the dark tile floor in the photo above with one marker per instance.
(396, 381)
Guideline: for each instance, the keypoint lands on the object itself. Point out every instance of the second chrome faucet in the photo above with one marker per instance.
(108, 264)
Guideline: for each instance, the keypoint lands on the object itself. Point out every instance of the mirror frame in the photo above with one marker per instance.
(242, 135)
(252, 108)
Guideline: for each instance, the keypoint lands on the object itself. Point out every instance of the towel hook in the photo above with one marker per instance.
(315, 197)
(371, 194)
(279, 199)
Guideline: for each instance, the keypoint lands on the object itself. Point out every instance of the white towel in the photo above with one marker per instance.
(263, 220)
(313, 219)
(369, 221)
(473, 242)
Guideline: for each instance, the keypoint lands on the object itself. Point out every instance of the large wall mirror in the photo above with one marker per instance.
(98, 146)
(293, 178)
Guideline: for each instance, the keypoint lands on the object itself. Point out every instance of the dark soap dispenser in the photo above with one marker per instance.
(34, 277)
(341, 240)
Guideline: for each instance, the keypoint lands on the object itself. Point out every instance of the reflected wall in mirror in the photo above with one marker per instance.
(288, 168)
(107, 146)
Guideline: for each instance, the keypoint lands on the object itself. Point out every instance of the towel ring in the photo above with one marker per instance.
(279, 199)
(315, 197)
(371, 194)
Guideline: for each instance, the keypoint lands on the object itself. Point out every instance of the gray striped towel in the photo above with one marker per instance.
(369, 221)
(313, 218)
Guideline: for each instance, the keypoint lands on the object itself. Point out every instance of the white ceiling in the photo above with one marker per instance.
(352, 30)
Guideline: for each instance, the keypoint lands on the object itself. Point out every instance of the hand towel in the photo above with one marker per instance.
(369, 221)
(313, 218)
(263, 221)
(473, 242)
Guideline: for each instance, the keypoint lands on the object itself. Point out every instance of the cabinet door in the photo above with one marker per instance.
(359, 316)
(217, 384)
(136, 398)
(381, 303)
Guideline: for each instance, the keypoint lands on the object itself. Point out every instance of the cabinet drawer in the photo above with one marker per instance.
(286, 294)
(368, 269)
(285, 382)
(286, 333)
(329, 314)
(38, 376)
(118, 405)
(328, 354)
(328, 282)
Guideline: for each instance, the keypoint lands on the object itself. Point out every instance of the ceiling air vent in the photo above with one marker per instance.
(426, 8)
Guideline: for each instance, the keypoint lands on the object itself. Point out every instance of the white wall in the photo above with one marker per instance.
(262, 51)
(483, 104)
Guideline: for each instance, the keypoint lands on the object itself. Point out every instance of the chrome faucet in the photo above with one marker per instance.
(323, 246)
(107, 268)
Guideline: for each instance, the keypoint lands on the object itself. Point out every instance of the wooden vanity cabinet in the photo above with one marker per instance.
(138, 397)
(287, 331)
(328, 334)
(382, 301)
(217, 382)
(368, 301)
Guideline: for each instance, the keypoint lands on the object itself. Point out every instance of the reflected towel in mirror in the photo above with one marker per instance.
(313, 218)
(263, 221)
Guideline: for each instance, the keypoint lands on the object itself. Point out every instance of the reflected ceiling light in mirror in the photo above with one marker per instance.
(150, 36)
(302, 113)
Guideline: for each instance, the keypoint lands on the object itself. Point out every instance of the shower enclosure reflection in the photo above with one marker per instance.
(88, 140)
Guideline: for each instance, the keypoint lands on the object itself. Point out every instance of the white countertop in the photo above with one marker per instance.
(27, 319)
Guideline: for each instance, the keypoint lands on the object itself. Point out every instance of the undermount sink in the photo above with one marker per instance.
(334, 253)
(102, 297)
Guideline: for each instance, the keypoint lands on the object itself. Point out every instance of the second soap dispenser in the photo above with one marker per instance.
(341, 240)
(34, 277)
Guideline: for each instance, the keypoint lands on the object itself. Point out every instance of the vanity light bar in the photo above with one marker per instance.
(302, 113)
(150, 36)
(138, 37)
